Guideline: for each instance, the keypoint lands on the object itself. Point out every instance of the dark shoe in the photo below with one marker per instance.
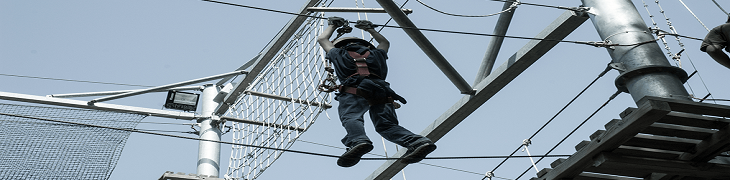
(417, 153)
(353, 154)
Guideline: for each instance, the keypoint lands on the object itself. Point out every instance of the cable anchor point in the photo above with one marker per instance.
(606, 44)
(527, 142)
(514, 5)
(489, 175)
(579, 9)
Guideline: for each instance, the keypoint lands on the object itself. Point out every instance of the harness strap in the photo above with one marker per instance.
(362, 66)
(366, 95)
(363, 71)
(348, 89)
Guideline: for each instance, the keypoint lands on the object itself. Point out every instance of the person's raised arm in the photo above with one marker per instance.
(383, 43)
(368, 26)
(324, 38)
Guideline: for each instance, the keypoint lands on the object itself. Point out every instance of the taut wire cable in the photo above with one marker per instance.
(608, 68)
(592, 43)
(71, 80)
(511, 7)
(698, 19)
(576, 129)
(277, 149)
(579, 9)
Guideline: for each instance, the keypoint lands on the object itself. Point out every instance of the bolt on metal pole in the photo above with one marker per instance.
(645, 71)
(209, 152)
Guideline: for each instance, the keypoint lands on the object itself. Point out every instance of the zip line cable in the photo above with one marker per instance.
(608, 68)
(592, 43)
(71, 80)
(262, 147)
(512, 7)
(574, 130)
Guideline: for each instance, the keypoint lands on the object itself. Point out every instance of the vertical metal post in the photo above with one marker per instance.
(645, 71)
(495, 43)
(209, 152)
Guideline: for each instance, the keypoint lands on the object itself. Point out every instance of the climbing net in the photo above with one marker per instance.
(284, 98)
(37, 149)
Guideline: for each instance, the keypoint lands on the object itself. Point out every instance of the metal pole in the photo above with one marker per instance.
(495, 43)
(209, 153)
(490, 86)
(395, 12)
(645, 71)
(185, 83)
(271, 50)
(98, 106)
(106, 93)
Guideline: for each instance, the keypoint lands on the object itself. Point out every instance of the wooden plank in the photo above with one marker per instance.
(616, 172)
(710, 147)
(594, 176)
(694, 120)
(679, 131)
(649, 112)
(646, 152)
(629, 164)
(662, 142)
(661, 176)
(694, 107)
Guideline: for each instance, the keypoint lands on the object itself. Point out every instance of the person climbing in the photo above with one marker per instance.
(715, 41)
(361, 69)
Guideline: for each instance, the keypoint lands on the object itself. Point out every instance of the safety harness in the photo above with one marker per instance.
(362, 72)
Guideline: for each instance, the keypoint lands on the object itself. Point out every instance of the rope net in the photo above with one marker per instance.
(295, 73)
(36, 149)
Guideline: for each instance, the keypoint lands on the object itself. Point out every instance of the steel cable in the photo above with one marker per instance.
(512, 7)
(71, 80)
(247, 145)
(591, 43)
(574, 130)
(554, 116)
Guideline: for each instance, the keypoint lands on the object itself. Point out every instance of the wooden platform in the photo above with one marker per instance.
(663, 139)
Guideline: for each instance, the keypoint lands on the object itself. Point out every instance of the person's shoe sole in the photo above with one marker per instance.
(420, 153)
(352, 157)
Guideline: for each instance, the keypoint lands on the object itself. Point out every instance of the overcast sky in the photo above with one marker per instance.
(166, 41)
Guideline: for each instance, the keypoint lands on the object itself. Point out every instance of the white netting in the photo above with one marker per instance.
(294, 73)
(36, 149)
